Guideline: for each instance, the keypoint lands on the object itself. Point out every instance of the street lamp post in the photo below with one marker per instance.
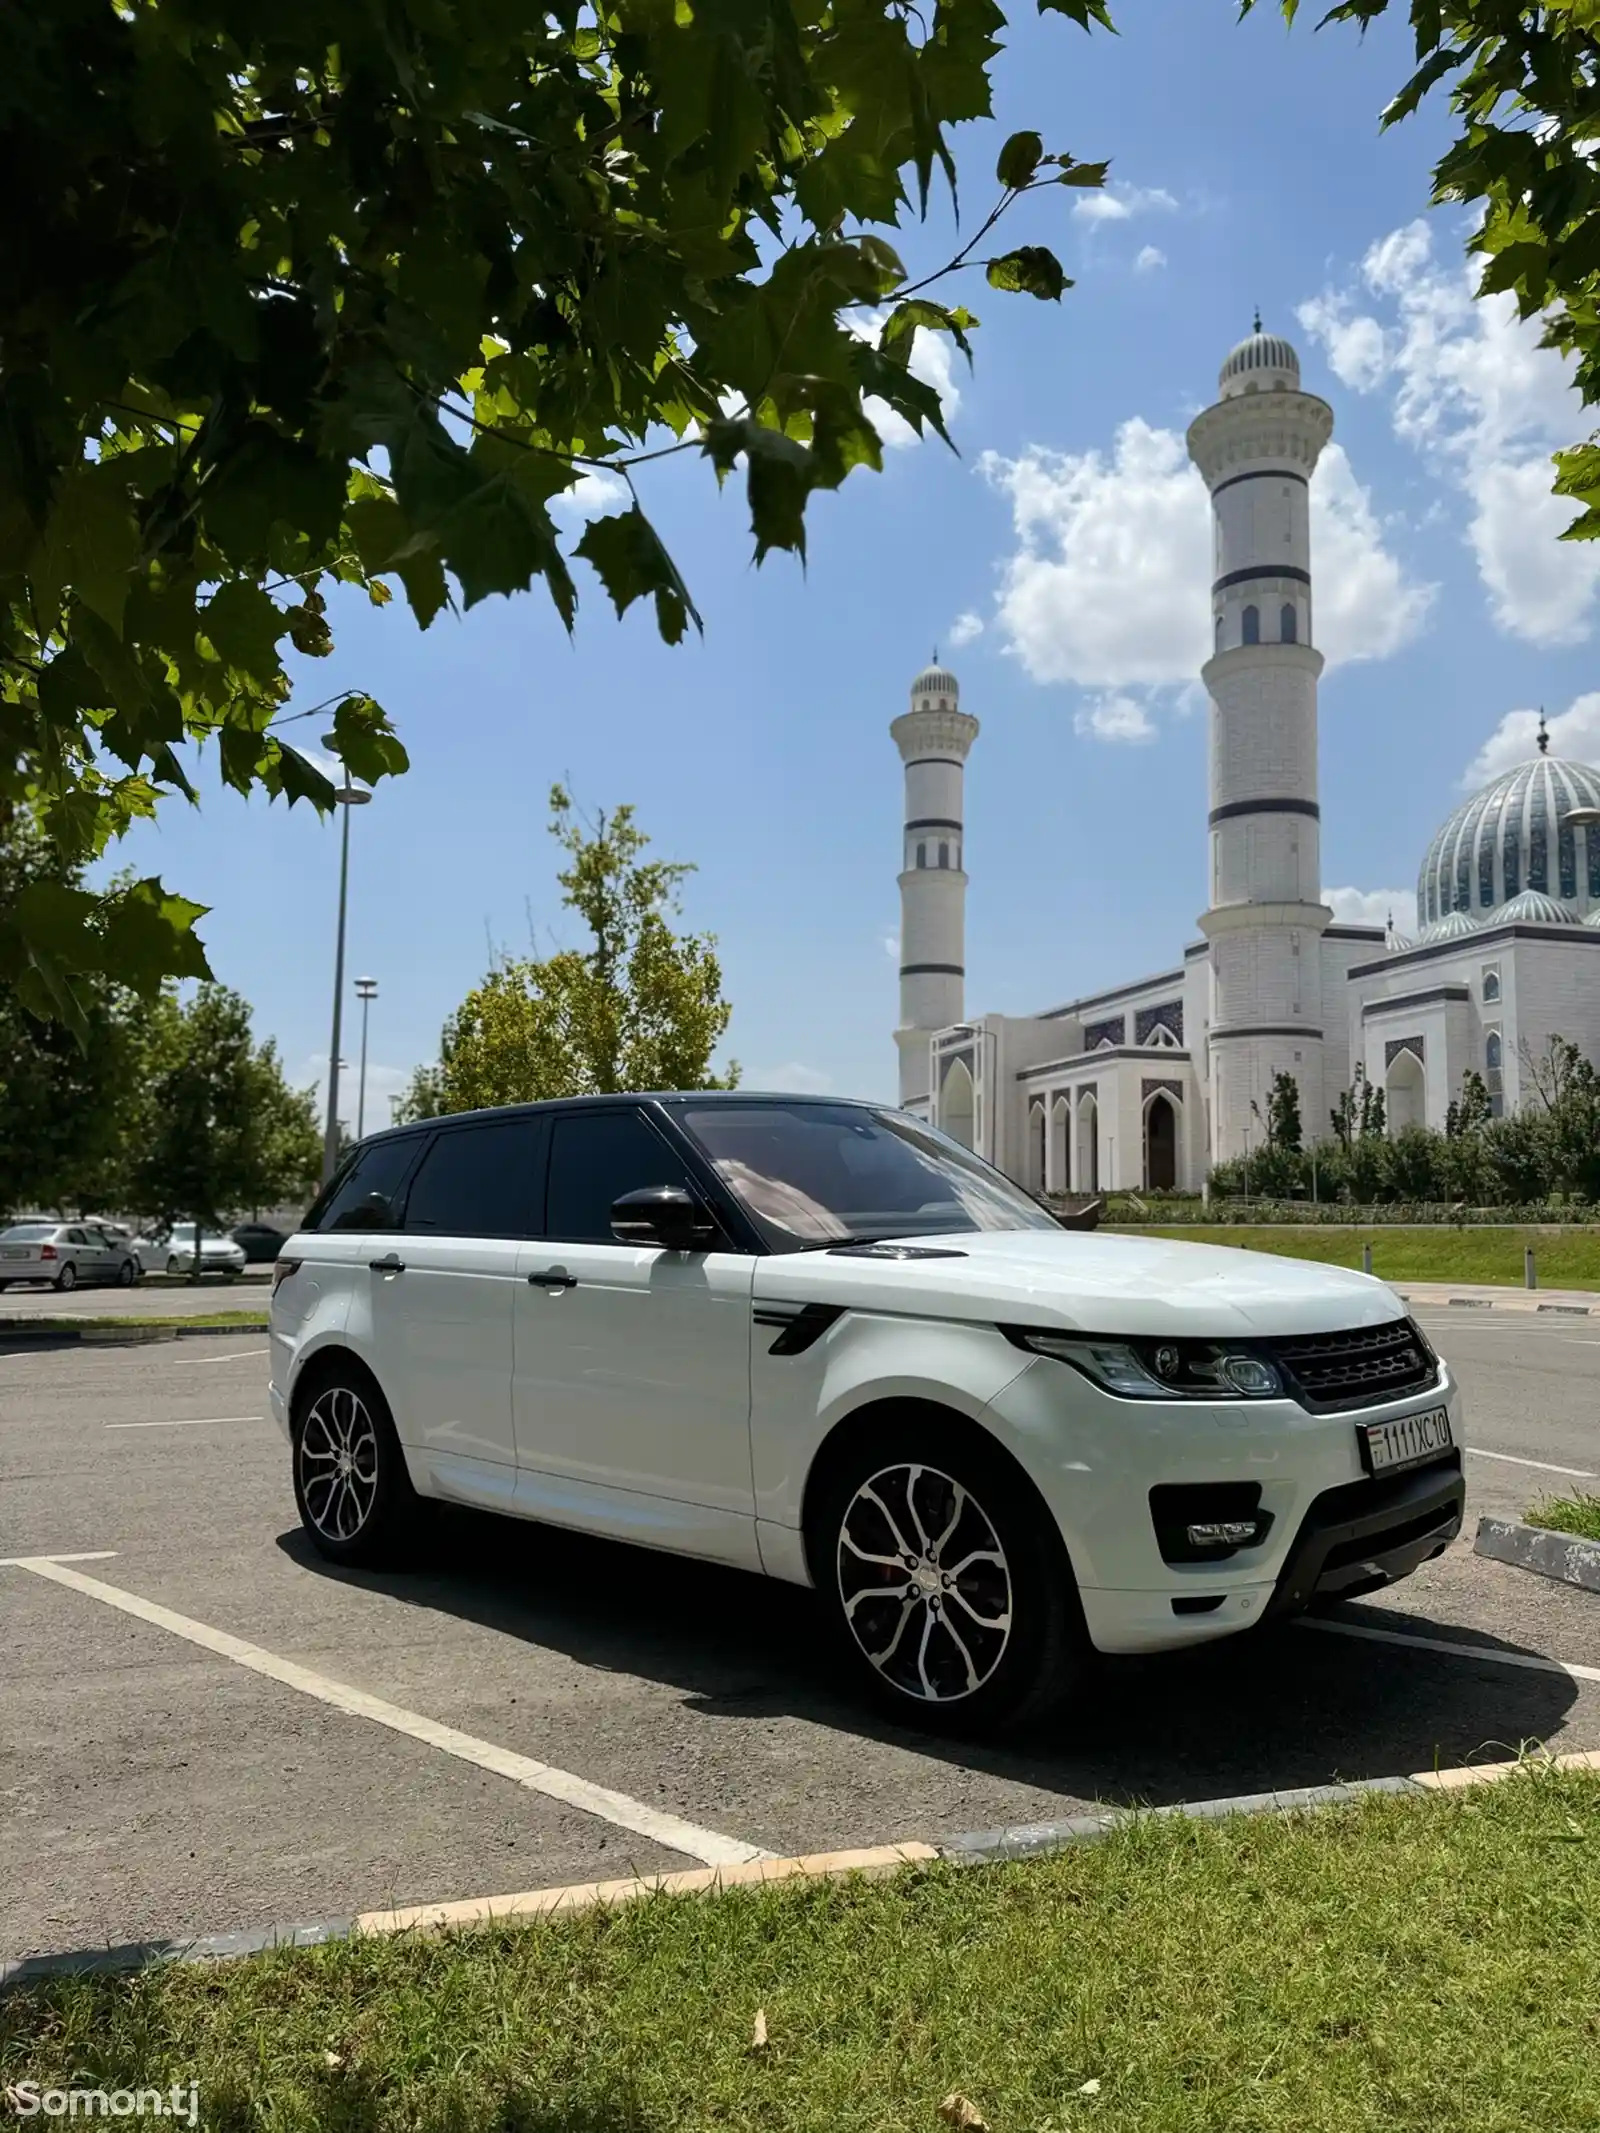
(366, 993)
(348, 796)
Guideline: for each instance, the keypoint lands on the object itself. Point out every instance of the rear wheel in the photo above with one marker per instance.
(127, 1274)
(949, 1588)
(68, 1277)
(350, 1481)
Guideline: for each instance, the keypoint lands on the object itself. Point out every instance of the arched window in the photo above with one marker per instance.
(922, 855)
(944, 855)
(1251, 624)
(1287, 629)
(1491, 1052)
(1491, 986)
(1219, 633)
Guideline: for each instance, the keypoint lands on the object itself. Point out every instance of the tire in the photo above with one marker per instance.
(174, 1269)
(912, 1638)
(67, 1278)
(127, 1274)
(364, 1513)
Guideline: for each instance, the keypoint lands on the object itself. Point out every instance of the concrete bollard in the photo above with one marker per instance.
(1366, 1259)
(1528, 1271)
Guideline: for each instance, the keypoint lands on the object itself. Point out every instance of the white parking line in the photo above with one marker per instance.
(237, 1355)
(184, 1422)
(1577, 1473)
(1454, 1650)
(705, 1845)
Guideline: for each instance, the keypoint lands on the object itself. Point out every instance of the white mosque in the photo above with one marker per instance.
(1145, 1085)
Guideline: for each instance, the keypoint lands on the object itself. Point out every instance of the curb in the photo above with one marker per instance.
(1031, 1840)
(1566, 1557)
(1498, 1303)
(44, 1337)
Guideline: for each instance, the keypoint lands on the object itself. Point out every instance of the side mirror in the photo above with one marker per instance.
(667, 1215)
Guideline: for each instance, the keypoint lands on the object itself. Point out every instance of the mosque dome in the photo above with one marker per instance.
(1449, 928)
(1532, 908)
(1509, 838)
(1264, 362)
(936, 680)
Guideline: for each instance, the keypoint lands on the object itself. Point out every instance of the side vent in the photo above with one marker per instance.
(798, 1326)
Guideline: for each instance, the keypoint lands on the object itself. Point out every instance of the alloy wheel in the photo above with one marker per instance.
(925, 1584)
(68, 1277)
(338, 1455)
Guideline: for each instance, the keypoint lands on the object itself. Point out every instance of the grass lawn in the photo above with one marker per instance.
(1567, 1514)
(130, 1321)
(1566, 1259)
(1402, 1965)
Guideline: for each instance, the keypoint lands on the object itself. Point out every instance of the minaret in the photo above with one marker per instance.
(933, 738)
(1256, 447)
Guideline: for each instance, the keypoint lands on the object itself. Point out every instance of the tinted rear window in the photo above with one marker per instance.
(477, 1181)
(363, 1197)
(30, 1232)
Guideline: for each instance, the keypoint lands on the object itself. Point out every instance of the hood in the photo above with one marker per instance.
(1089, 1282)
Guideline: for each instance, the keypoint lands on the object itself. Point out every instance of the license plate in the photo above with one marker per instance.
(1409, 1440)
(15, 1251)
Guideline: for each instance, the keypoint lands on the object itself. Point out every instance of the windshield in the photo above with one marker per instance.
(819, 1173)
(30, 1232)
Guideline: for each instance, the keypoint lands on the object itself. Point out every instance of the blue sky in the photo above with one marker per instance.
(1060, 563)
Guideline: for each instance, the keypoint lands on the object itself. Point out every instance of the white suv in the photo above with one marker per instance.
(822, 1341)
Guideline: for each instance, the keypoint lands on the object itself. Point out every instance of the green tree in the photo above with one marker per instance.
(1471, 1110)
(1523, 93)
(640, 1008)
(218, 1131)
(62, 1098)
(332, 292)
(1283, 1112)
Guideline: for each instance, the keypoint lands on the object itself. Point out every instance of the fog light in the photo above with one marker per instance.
(1222, 1533)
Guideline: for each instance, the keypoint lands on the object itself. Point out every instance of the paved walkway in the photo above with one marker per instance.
(1483, 1296)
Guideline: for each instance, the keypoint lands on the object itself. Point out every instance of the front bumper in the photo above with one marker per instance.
(1369, 1533)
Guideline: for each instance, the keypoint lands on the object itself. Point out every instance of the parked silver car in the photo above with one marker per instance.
(171, 1251)
(65, 1253)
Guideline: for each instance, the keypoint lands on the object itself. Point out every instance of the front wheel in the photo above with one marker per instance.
(949, 1587)
(350, 1482)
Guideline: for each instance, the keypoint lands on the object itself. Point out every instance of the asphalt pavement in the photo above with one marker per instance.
(205, 1728)
(149, 1299)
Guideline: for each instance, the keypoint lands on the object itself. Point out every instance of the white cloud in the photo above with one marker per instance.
(890, 943)
(1108, 205)
(1114, 718)
(382, 1082)
(1150, 257)
(965, 627)
(1374, 907)
(932, 360)
(1574, 733)
(592, 495)
(1107, 585)
(1472, 390)
(793, 1078)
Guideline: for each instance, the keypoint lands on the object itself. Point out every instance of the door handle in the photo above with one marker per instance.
(392, 1263)
(557, 1279)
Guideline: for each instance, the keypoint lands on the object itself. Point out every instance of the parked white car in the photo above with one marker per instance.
(171, 1251)
(64, 1254)
(822, 1341)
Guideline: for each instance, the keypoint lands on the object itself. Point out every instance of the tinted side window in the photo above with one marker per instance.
(364, 1196)
(595, 1157)
(477, 1181)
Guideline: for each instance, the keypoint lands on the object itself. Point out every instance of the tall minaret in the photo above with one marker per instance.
(1256, 447)
(933, 738)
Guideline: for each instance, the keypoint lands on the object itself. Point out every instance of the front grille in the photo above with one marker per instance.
(1369, 1364)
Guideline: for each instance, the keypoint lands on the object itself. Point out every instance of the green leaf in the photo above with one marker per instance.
(90, 546)
(243, 625)
(1030, 269)
(365, 742)
(628, 554)
(1083, 12)
(298, 778)
(1019, 159)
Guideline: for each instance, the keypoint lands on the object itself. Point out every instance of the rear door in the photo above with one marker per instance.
(441, 1292)
(632, 1363)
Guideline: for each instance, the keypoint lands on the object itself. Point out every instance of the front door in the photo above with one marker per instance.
(632, 1363)
(442, 1293)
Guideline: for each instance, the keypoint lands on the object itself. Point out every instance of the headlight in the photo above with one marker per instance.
(1159, 1370)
